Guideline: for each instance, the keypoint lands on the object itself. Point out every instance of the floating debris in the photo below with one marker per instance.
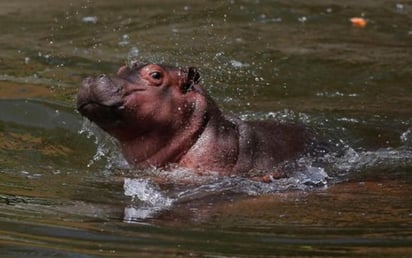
(358, 22)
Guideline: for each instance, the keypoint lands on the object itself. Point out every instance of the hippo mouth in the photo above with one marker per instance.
(82, 107)
(105, 116)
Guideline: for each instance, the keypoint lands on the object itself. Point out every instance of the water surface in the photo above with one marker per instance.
(66, 191)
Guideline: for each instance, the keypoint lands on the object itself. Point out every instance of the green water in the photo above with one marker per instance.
(62, 192)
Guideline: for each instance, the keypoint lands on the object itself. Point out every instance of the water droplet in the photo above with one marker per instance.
(133, 55)
(124, 40)
(400, 7)
(90, 19)
(406, 136)
(238, 64)
(302, 19)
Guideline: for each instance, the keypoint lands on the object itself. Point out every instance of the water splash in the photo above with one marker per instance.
(310, 171)
(147, 199)
(303, 179)
(381, 159)
(406, 137)
(107, 150)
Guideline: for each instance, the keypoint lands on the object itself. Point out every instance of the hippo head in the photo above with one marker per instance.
(144, 99)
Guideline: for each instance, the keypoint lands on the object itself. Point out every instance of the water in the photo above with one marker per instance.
(66, 191)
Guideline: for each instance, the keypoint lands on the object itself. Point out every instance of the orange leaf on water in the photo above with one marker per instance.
(358, 22)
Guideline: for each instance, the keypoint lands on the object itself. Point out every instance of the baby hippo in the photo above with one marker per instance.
(161, 115)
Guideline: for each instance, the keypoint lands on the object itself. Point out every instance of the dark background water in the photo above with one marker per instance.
(62, 193)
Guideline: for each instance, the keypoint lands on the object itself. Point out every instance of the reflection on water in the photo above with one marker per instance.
(66, 191)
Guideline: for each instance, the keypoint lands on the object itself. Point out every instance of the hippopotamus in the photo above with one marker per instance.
(162, 115)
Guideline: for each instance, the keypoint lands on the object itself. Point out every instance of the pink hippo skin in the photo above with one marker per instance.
(162, 115)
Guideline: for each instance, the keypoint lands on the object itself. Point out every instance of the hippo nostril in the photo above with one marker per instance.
(103, 79)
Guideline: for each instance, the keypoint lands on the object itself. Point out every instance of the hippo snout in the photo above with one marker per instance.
(101, 90)
(83, 93)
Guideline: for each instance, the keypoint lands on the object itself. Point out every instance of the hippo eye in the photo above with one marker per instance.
(156, 75)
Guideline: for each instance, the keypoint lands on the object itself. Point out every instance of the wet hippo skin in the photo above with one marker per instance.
(161, 115)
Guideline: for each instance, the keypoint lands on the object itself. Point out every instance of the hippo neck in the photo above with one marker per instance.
(216, 148)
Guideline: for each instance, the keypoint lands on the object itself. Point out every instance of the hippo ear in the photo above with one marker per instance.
(193, 75)
(192, 78)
